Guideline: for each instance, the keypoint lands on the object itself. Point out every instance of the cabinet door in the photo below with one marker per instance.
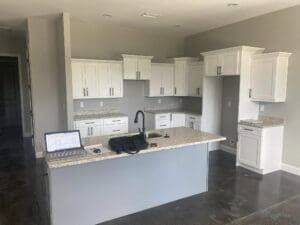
(180, 79)
(84, 131)
(130, 68)
(115, 129)
(77, 79)
(96, 131)
(104, 80)
(91, 80)
(177, 120)
(230, 63)
(167, 80)
(262, 79)
(144, 69)
(249, 149)
(116, 80)
(211, 63)
(195, 77)
(155, 83)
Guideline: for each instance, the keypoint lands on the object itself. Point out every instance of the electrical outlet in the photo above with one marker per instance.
(81, 104)
(101, 104)
(262, 108)
(159, 101)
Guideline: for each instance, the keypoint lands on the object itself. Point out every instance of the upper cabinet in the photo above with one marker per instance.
(269, 77)
(222, 62)
(136, 67)
(181, 75)
(97, 79)
(195, 77)
(162, 80)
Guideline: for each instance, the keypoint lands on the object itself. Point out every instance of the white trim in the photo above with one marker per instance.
(39, 154)
(290, 169)
(21, 88)
(228, 149)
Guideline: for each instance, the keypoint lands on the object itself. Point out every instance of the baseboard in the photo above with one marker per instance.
(290, 169)
(228, 149)
(39, 155)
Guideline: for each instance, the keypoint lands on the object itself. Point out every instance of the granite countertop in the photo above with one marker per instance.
(160, 111)
(263, 122)
(179, 137)
(98, 116)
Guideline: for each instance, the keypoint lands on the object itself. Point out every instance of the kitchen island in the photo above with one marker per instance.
(99, 187)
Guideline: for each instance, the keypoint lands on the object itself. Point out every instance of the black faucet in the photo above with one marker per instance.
(142, 132)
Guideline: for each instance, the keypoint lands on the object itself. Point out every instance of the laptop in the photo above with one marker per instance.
(60, 145)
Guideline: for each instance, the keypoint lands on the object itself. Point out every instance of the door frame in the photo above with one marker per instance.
(21, 88)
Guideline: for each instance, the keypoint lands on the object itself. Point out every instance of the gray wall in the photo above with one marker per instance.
(14, 43)
(278, 31)
(109, 42)
(46, 77)
(229, 124)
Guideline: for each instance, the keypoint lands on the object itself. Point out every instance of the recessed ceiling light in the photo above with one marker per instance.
(150, 15)
(232, 4)
(106, 15)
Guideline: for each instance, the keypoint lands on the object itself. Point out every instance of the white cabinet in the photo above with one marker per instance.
(193, 121)
(161, 80)
(260, 149)
(136, 67)
(269, 77)
(195, 77)
(89, 128)
(110, 79)
(225, 62)
(84, 79)
(181, 75)
(97, 79)
(177, 120)
(99, 127)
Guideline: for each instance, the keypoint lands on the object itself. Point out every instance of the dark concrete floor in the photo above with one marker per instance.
(233, 193)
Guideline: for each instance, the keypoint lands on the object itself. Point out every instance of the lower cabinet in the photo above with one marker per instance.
(99, 127)
(260, 149)
(177, 120)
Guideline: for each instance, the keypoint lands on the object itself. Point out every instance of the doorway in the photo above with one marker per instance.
(10, 102)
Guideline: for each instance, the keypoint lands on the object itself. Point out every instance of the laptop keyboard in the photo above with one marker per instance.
(67, 154)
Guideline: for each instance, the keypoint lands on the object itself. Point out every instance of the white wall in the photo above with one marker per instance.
(278, 31)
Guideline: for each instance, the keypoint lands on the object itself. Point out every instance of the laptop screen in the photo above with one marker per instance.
(57, 141)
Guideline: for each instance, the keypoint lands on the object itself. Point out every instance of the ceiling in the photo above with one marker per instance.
(190, 16)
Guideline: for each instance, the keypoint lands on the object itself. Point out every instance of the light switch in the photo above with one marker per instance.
(81, 104)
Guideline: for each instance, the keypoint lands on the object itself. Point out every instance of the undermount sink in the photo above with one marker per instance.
(154, 135)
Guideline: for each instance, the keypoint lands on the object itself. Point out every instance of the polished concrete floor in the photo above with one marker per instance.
(234, 194)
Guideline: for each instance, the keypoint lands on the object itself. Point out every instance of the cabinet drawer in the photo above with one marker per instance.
(250, 130)
(162, 124)
(80, 123)
(164, 116)
(115, 129)
(117, 120)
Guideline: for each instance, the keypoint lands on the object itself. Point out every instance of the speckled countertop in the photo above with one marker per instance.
(160, 111)
(179, 137)
(95, 115)
(263, 122)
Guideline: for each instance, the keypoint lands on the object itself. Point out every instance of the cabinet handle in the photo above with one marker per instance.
(92, 130)
(89, 122)
(219, 70)
(113, 91)
(247, 129)
(160, 91)
(163, 125)
(175, 90)
(137, 75)
(116, 130)
(89, 133)
(83, 91)
(87, 92)
(116, 120)
(163, 91)
(250, 92)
